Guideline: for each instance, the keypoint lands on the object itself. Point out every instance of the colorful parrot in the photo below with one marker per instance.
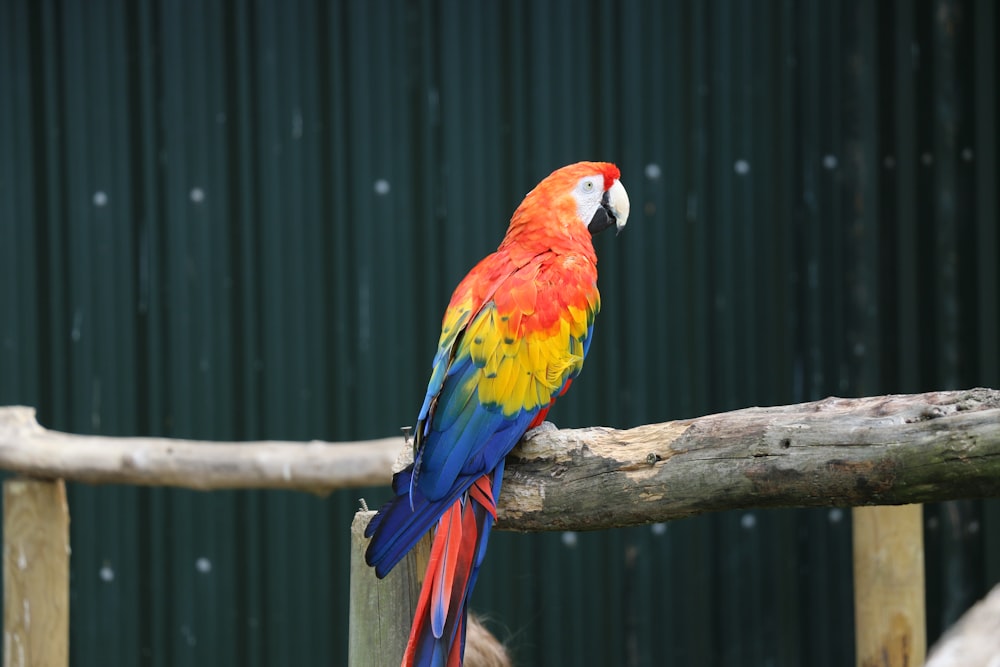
(513, 338)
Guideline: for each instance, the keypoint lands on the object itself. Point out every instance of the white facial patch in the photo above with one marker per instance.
(588, 193)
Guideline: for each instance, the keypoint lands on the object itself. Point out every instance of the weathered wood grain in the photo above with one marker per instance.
(889, 616)
(382, 609)
(882, 450)
(975, 640)
(316, 467)
(35, 573)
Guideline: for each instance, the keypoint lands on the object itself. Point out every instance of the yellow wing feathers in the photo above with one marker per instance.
(520, 369)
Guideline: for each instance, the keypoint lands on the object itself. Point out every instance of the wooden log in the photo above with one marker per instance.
(975, 640)
(882, 450)
(381, 609)
(35, 573)
(315, 467)
(889, 617)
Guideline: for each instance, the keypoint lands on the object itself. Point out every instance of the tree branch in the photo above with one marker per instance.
(973, 641)
(834, 452)
(316, 467)
(883, 450)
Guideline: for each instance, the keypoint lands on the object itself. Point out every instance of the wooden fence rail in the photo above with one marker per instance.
(884, 450)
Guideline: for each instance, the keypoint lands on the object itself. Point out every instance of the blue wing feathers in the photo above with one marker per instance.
(463, 440)
(457, 446)
(397, 526)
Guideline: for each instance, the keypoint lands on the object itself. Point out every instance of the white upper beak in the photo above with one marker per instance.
(618, 203)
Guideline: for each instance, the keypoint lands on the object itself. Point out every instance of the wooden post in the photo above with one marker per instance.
(35, 573)
(382, 609)
(889, 616)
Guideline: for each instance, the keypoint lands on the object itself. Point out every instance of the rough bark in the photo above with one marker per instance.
(883, 450)
(835, 452)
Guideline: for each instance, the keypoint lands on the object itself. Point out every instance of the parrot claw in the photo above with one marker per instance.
(544, 427)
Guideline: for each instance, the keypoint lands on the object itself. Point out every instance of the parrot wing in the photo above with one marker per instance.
(512, 338)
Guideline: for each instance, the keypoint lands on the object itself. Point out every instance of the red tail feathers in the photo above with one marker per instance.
(437, 636)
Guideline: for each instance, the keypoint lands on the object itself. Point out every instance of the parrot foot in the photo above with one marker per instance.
(544, 427)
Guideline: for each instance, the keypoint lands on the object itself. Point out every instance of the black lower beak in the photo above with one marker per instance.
(603, 218)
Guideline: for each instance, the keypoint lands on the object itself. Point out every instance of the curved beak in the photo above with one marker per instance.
(613, 210)
(616, 202)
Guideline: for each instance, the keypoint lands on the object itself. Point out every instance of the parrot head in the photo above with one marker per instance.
(581, 199)
(601, 200)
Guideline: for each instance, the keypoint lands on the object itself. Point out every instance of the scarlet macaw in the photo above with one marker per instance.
(513, 338)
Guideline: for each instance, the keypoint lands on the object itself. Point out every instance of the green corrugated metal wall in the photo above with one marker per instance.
(230, 220)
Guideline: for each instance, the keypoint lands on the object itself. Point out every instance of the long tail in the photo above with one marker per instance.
(437, 636)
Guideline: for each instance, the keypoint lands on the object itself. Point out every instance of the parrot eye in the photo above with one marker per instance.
(587, 185)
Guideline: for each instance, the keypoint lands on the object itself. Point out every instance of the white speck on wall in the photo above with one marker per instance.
(197, 195)
(100, 198)
(967, 154)
(296, 123)
(835, 515)
(741, 167)
(569, 539)
(830, 161)
(382, 187)
(106, 574)
(188, 635)
(653, 171)
(658, 529)
(203, 565)
(927, 159)
(748, 521)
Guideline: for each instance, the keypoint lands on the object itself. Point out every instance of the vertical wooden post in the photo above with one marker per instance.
(35, 573)
(889, 615)
(382, 609)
